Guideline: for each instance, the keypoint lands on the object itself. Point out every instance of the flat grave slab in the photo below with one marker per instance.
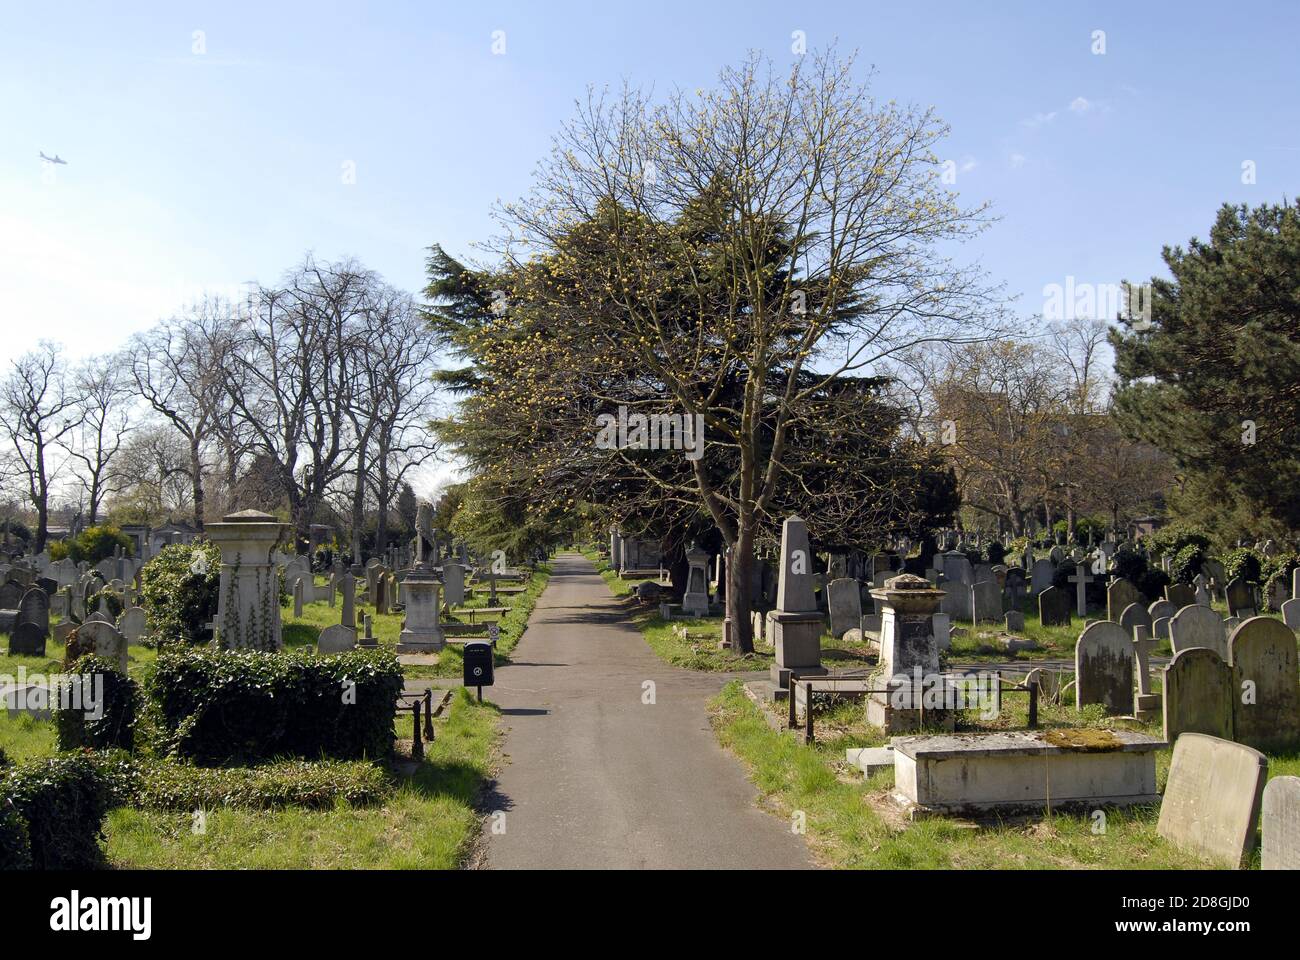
(1016, 772)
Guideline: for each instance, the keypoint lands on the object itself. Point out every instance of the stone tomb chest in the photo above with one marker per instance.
(981, 774)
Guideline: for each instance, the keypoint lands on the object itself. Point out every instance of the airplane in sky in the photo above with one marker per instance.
(54, 159)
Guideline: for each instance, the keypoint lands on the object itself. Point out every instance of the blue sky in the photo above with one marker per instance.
(189, 171)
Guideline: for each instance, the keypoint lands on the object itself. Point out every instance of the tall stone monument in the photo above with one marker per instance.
(796, 624)
(421, 631)
(248, 605)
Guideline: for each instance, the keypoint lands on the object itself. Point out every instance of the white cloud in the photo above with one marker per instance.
(1080, 105)
(1017, 160)
(968, 164)
(1039, 119)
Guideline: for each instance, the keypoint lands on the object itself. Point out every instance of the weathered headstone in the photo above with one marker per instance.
(453, 578)
(1161, 608)
(1015, 621)
(105, 640)
(1266, 683)
(1212, 798)
(1119, 595)
(297, 598)
(844, 603)
(1135, 615)
(1080, 578)
(1103, 668)
(132, 624)
(1198, 626)
(1180, 595)
(1054, 607)
(1198, 695)
(1291, 614)
(986, 601)
(1041, 575)
(27, 639)
(1280, 825)
(34, 607)
(336, 639)
(1241, 599)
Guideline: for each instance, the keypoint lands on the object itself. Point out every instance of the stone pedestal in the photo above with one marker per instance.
(248, 606)
(909, 656)
(422, 633)
(695, 602)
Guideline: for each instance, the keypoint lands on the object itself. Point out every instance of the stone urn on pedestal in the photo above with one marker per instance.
(909, 658)
(695, 601)
(421, 631)
(248, 605)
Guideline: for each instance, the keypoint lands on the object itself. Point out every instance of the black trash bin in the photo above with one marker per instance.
(478, 665)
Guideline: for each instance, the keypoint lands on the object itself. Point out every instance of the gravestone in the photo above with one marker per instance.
(986, 601)
(1119, 595)
(1198, 626)
(34, 607)
(1040, 577)
(1161, 608)
(27, 639)
(1241, 599)
(1198, 695)
(1015, 621)
(1160, 628)
(1275, 594)
(1180, 595)
(844, 603)
(453, 577)
(1266, 683)
(11, 592)
(1146, 704)
(1280, 825)
(908, 651)
(1212, 798)
(336, 639)
(348, 587)
(105, 640)
(1054, 607)
(1291, 614)
(1135, 615)
(942, 624)
(1080, 578)
(132, 624)
(297, 598)
(1103, 668)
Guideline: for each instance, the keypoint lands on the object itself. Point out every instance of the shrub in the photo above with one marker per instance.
(1129, 564)
(218, 706)
(179, 590)
(62, 802)
(1187, 564)
(1152, 584)
(1244, 563)
(114, 728)
(996, 552)
(15, 844)
(98, 543)
(1173, 539)
(112, 602)
(161, 784)
(1279, 567)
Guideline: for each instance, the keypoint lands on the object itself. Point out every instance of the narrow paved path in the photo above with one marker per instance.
(595, 778)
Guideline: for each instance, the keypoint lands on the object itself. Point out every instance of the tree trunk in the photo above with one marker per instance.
(196, 475)
(740, 567)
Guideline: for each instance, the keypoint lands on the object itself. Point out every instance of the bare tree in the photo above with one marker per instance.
(38, 409)
(150, 477)
(179, 368)
(294, 379)
(103, 421)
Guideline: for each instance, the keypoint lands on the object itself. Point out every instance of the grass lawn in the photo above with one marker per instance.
(851, 823)
(429, 823)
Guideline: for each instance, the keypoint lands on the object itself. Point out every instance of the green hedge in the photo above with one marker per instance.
(61, 802)
(225, 707)
(114, 728)
(179, 589)
(171, 785)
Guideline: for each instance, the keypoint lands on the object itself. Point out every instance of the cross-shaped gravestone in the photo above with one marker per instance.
(1081, 581)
